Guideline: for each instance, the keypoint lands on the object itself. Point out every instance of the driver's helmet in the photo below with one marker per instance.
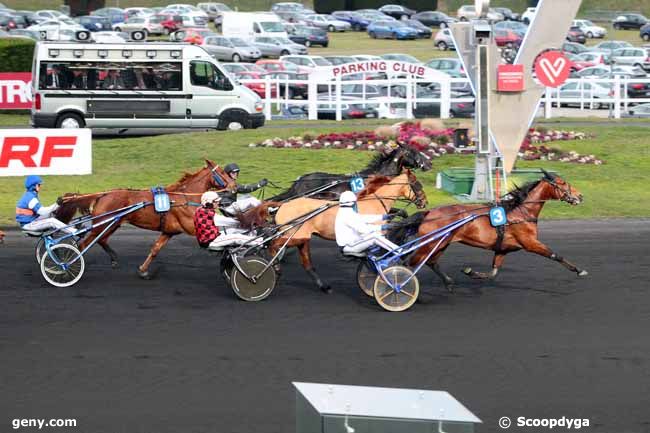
(210, 198)
(348, 199)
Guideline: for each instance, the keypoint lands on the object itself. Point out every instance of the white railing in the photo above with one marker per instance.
(276, 93)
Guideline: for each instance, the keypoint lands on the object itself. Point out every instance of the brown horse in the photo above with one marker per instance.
(523, 206)
(377, 197)
(183, 194)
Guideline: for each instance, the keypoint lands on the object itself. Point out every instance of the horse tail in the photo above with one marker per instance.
(73, 203)
(406, 228)
(258, 216)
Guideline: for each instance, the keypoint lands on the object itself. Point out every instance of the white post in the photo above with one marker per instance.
(339, 116)
(312, 97)
(445, 95)
(409, 98)
(547, 103)
(617, 97)
(267, 98)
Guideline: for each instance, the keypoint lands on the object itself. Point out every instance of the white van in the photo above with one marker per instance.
(137, 85)
(248, 25)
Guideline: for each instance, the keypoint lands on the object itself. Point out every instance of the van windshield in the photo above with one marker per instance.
(272, 26)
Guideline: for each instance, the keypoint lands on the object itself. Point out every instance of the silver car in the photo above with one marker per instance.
(139, 23)
(328, 22)
(231, 49)
(443, 40)
(631, 56)
(277, 46)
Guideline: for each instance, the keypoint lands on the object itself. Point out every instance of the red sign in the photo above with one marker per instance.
(552, 68)
(510, 78)
(15, 90)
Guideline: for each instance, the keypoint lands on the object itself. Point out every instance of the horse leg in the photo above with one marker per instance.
(305, 260)
(446, 279)
(143, 270)
(537, 247)
(103, 242)
(433, 264)
(497, 262)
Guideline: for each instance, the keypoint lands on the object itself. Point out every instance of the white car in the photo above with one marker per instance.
(50, 25)
(631, 56)
(143, 12)
(590, 30)
(51, 14)
(185, 9)
(468, 13)
(139, 23)
(587, 91)
(306, 63)
(110, 37)
(528, 15)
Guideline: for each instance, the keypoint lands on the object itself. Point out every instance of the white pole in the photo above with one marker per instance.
(445, 94)
(547, 103)
(312, 97)
(267, 98)
(339, 116)
(617, 97)
(409, 98)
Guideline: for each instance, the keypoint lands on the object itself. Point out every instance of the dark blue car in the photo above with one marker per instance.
(95, 23)
(391, 30)
(357, 21)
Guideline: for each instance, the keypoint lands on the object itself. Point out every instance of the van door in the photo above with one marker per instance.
(211, 90)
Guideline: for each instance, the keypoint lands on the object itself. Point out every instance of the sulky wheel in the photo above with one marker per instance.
(63, 265)
(40, 246)
(403, 295)
(226, 266)
(256, 287)
(366, 276)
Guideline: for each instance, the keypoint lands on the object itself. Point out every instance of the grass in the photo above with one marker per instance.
(615, 189)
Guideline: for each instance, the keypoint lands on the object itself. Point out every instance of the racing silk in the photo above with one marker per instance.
(204, 226)
(27, 208)
(351, 226)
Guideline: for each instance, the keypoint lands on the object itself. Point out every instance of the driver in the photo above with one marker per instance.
(230, 203)
(355, 232)
(31, 215)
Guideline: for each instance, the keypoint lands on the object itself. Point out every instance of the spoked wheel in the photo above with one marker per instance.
(226, 267)
(63, 265)
(40, 247)
(366, 276)
(397, 299)
(257, 288)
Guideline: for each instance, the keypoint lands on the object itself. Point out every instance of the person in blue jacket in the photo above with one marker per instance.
(31, 215)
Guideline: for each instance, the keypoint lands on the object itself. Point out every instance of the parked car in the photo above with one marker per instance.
(186, 9)
(356, 20)
(644, 33)
(573, 48)
(391, 30)
(443, 40)
(641, 110)
(287, 6)
(468, 13)
(590, 29)
(277, 46)
(577, 63)
(116, 15)
(288, 89)
(30, 17)
(424, 32)
(528, 15)
(507, 38)
(24, 33)
(306, 63)
(340, 60)
(95, 23)
(110, 37)
(397, 11)
(257, 87)
(52, 25)
(508, 14)
(235, 68)
(308, 35)
(451, 66)
(608, 47)
(586, 90)
(629, 21)
(136, 11)
(632, 56)
(515, 26)
(594, 58)
(575, 34)
(231, 49)
(169, 22)
(327, 110)
(373, 15)
(328, 22)
(51, 14)
(140, 23)
(8, 22)
(271, 65)
(194, 36)
(434, 19)
(398, 57)
(214, 11)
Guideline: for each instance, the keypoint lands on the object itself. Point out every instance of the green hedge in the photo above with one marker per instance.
(16, 54)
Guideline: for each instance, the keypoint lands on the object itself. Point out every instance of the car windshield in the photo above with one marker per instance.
(272, 26)
(320, 61)
(238, 42)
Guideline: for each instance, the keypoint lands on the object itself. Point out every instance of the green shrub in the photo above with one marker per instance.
(16, 54)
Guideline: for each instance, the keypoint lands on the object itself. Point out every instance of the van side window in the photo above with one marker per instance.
(256, 28)
(206, 74)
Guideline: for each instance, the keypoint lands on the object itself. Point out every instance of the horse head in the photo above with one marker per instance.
(220, 179)
(562, 190)
(415, 191)
(412, 158)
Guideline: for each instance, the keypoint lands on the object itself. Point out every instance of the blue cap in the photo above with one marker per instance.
(32, 181)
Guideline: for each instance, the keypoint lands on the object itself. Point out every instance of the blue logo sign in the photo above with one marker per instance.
(497, 216)
(356, 184)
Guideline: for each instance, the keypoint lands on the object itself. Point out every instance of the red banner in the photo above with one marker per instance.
(510, 78)
(15, 90)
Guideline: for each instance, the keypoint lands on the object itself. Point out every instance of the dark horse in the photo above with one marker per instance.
(383, 164)
(523, 206)
(184, 195)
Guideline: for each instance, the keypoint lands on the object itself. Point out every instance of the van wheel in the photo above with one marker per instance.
(284, 53)
(441, 46)
(236, 58)
(233, 120)
(331, 29)
(70, 121)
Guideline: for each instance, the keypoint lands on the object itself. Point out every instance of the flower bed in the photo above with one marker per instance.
(434, 142)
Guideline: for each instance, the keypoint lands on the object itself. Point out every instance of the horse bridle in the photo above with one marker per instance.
(565, 193)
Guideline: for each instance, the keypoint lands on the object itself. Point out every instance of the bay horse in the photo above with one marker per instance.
(390, 163)
(377, 197)
(184, 195)
(522, 205)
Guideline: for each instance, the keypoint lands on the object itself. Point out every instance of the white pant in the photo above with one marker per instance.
(233, 238)
(243, 204)
(45, 224)
(367, 241)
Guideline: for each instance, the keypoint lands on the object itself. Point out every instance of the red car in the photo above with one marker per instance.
(507, 38)
(193, 36)
(169, 22)
(259, 88)
(278, 66)
(578, 64)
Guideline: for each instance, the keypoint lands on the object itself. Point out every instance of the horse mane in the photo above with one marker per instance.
(186, 176)
(377, 161)
(518, 195)
(373, 185)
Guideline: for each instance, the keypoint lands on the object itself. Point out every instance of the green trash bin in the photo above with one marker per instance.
(459, 180)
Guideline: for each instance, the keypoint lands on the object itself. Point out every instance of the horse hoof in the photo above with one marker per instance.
(583, 273)
(144, 275)
(467, 271)
(326, 289)
(115, 265)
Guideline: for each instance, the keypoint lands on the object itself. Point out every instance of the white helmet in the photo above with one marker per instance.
(347, 199)
(209, 197)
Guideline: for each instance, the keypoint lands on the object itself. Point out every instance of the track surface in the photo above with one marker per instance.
(181, 354)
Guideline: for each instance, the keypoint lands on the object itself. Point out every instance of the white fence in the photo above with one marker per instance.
(328, 94)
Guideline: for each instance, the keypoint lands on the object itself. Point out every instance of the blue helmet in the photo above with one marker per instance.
(32, 181)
